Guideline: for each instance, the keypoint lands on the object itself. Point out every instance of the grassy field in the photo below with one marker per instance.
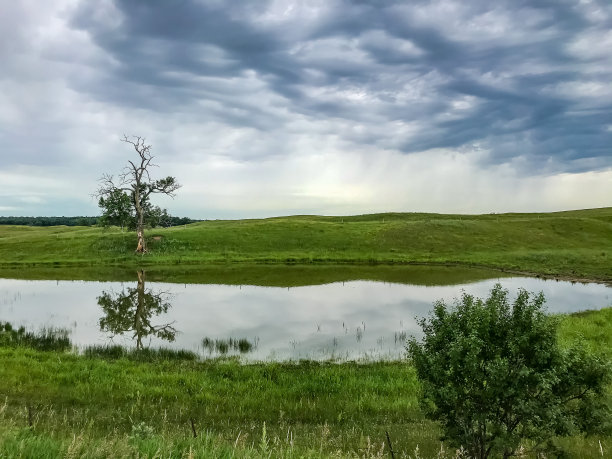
(59, 404)
(573, 244)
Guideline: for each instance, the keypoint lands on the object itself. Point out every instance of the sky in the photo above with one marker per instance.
(328, 107)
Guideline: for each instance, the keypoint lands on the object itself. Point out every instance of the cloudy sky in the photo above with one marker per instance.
(267, 108)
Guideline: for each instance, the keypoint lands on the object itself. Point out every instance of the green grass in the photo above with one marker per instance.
(115, 404)
(318, 406)
(593, 328)
(573, 244)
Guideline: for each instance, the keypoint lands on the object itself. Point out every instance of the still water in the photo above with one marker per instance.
(340, 320)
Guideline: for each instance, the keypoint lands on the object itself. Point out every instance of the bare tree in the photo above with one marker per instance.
(136, 182)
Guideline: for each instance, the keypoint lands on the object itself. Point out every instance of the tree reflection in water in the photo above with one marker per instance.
(133, 309)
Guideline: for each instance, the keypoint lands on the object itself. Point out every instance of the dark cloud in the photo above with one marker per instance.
(252, 87)
(368, 62)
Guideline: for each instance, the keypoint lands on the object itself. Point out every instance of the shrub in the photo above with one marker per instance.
(496, 379)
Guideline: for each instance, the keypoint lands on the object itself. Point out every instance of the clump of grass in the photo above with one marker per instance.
(46, 339)
(223, 346)
(110, 352)
(147, 355)
(114, 352)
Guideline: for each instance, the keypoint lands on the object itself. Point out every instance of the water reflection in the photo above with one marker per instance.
(45, 339)
(133, 310)
(342, 320)
(223, 346)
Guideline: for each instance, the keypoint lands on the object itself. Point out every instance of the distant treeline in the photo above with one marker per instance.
(79, 221)
(49, 221)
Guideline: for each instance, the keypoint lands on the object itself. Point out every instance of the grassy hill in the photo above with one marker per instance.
(572, 244)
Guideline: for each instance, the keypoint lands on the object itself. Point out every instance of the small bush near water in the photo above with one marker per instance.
(47, 339)
(496, 379)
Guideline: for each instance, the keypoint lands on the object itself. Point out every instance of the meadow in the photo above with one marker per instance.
(571, 245)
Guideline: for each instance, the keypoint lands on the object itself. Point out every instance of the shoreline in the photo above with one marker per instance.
(193, 265)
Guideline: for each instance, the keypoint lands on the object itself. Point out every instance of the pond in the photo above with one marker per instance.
(348, 319)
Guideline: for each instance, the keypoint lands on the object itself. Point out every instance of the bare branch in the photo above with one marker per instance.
(108, 185)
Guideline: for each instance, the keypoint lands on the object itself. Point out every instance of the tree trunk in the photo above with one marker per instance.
(138, 327)
(141, 247)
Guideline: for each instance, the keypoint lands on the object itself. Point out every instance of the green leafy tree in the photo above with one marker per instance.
(116, 209)
(496, 379)
(158, 217)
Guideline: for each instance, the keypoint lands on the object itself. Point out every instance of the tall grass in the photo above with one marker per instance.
(46, 339)
(139, 355)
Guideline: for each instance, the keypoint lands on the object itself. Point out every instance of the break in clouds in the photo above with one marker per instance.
(327, 107)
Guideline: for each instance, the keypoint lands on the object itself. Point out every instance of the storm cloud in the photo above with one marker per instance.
(313, 106)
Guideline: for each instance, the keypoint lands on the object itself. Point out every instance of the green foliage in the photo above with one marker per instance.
(495, 377)
(116, 209)
(157, 216)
